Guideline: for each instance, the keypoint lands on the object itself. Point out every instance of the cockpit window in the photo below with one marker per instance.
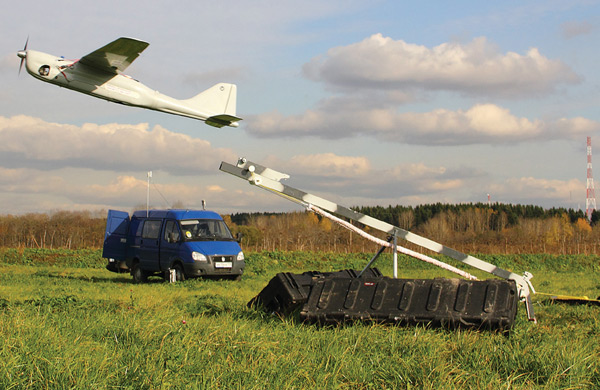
(205, 229)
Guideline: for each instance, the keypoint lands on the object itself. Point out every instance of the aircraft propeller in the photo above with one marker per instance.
(23, 55)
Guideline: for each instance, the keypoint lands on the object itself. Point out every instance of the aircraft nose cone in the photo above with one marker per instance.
(22, 53)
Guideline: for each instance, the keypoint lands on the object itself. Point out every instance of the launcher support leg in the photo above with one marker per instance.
(529, 307)
(374, 258)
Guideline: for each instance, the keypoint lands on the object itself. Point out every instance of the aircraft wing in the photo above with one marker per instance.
(116, 56)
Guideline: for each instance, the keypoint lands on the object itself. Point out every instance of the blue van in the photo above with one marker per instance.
(191, 242)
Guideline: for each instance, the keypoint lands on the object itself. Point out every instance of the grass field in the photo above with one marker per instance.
(68, 323)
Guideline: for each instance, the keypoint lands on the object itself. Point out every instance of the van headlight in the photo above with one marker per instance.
(240, 256)
(197, 256)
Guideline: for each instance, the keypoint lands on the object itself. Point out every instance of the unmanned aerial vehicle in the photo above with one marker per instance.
(99, 74)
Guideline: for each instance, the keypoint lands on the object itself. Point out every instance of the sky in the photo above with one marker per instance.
(361, 103)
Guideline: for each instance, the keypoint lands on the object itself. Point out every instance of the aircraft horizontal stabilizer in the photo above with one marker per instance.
(223, 120)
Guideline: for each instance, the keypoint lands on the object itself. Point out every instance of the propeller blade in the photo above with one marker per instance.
(23, 54)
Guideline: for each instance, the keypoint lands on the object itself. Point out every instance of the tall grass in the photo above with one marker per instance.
(78, 327)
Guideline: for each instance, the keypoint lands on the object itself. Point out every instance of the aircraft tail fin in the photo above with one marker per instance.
(220, 102)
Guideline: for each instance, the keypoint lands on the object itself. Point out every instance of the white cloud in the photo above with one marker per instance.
(22, 180)
(347, 180)
(478, 67)
(574, 127)
(417, 179)
(516, 190)
(334, 176)
(27, 141)
(482, 123)
(327, 165)
(410, 171)
(130, 190)
(379, 74)
(54, 165)
(123, 187)
(25, 190)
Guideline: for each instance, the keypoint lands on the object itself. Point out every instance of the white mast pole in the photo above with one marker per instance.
(148, 194)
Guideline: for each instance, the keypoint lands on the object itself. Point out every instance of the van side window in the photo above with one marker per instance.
(151, 229)
(171, 231)
(136, 227)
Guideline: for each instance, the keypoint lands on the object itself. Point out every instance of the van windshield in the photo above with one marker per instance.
(204, 229)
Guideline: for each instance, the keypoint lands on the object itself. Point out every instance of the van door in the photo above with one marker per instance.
(115, 235)
(169, 246)
(149, 245)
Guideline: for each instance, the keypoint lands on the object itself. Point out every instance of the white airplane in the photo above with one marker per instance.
(99, 74)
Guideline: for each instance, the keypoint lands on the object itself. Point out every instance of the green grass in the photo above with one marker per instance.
(79, 326)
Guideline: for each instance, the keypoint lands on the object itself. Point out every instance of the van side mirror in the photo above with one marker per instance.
(238, 237)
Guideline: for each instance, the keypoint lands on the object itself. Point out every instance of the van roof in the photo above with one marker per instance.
(177, 214)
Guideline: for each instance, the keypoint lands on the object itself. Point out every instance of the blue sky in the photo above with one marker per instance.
(362, 103)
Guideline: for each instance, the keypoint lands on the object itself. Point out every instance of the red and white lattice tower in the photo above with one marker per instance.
(590, 200)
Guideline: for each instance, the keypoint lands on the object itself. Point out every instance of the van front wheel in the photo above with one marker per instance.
(139, 276)
(179, 273)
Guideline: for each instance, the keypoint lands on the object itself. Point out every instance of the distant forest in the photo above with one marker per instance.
(409, 217)
(471, 228)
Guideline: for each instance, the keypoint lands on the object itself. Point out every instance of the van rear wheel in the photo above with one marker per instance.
(139, 275)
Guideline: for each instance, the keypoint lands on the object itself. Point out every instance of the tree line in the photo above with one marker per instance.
(61, 229)
(470, 228)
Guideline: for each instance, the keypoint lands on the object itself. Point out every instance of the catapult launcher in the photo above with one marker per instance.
(366, 295)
